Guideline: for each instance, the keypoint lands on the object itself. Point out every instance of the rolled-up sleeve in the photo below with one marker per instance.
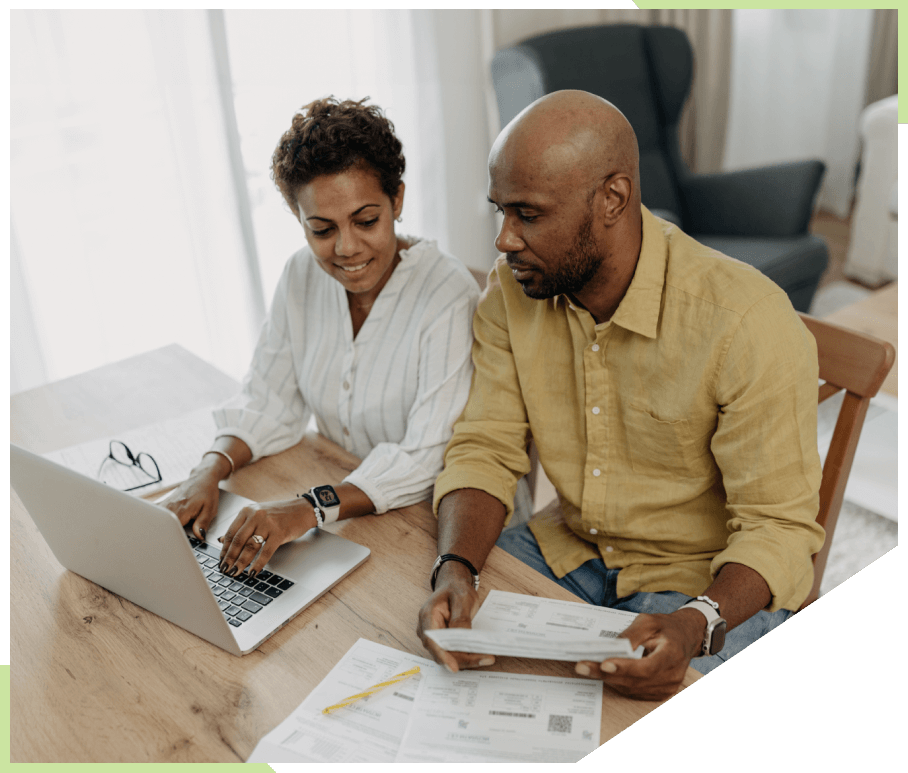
(766, 448)
(269, 413)
(488, 450)
(394, 475)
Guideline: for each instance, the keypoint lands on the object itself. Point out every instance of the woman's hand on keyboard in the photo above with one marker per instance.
(259, 530)
(196, 500)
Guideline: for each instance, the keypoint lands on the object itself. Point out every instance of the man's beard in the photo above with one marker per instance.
(577, 267)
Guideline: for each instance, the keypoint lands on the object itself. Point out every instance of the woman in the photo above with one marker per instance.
(368, 331)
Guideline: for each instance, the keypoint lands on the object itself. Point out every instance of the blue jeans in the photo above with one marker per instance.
(595, 583)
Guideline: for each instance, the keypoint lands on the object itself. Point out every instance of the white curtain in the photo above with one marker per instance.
(133, 137)
(798, 87)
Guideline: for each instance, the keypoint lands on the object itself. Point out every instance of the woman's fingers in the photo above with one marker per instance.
(258, 531)
(205, 516)
(234, 541)
(264, 556)
(196, 501)
(248, 551)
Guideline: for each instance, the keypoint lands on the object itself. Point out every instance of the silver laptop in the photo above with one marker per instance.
(140, 551)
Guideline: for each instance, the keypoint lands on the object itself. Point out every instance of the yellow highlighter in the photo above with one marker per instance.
(396, 679)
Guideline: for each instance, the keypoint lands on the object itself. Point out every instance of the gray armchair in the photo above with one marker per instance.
(759, 216)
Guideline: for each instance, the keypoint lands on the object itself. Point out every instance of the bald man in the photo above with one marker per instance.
(671, 394)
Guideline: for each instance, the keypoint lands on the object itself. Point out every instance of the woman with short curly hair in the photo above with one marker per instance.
(369, 332)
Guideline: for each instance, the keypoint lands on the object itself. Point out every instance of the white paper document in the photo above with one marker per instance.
(176, 445)
(369, 730)
(436, 715)
(531, 627)
(485, 716)
(523, 646)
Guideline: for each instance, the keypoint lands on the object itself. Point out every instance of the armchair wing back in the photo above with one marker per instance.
(759, 216)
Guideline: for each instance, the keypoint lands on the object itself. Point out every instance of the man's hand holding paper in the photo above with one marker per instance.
(529, 627)
(452, 605)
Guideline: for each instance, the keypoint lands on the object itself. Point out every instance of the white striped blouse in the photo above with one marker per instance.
(390, 396)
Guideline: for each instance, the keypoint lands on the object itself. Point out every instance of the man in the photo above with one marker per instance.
(671, 393)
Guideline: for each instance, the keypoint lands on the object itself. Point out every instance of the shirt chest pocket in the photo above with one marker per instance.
(666, 446)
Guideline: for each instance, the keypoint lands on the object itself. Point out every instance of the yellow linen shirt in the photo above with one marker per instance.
(680, 435)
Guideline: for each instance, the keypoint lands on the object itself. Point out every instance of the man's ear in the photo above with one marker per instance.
(613, 196)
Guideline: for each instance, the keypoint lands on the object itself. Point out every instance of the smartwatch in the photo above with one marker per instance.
(714, 638)
(327, 501)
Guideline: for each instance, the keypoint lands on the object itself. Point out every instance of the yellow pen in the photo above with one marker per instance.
(396, 679)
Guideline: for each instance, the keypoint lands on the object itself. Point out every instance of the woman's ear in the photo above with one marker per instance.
(397, 203)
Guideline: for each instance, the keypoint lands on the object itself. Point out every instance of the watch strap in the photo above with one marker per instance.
(710, 610)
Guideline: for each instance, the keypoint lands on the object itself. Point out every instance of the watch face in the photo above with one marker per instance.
(718, 636)
(326, 496)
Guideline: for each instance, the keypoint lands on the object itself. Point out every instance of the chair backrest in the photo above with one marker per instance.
(858, 364)
(646, 72)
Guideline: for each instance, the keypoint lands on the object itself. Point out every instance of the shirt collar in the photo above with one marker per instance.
(639, 309)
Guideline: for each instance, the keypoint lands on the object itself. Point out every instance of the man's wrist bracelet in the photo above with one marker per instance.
(460, 559)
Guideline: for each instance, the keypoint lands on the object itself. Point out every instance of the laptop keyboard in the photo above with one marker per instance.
(242, 596)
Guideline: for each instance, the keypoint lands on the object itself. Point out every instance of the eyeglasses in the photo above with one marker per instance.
(128, 468)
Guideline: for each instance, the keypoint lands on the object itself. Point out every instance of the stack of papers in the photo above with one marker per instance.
(531, 627)
(436, 716)
(471, 716)
(491, 643)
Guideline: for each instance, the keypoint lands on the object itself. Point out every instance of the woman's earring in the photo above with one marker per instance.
(400, 218)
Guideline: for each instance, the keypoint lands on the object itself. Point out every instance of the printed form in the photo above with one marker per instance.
(530, 627)
(369, 730)
(436, 715)
(487, 716)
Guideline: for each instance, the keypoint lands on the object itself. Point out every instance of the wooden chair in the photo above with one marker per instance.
(857, 363)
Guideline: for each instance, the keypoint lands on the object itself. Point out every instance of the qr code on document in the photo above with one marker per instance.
(560, 723)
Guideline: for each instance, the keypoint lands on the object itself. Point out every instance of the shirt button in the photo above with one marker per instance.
(346, 385)
(597, 473)
(595, 347)
(609, 549)
(596, 410)
(594, 531)
(346, 431)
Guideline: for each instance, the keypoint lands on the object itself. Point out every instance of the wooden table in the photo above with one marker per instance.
(876, 315)
(95, 678)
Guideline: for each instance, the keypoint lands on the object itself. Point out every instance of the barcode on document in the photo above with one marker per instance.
(511, 714)
(608, 634)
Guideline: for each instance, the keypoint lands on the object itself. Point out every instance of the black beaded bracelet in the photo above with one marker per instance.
(452, 557)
